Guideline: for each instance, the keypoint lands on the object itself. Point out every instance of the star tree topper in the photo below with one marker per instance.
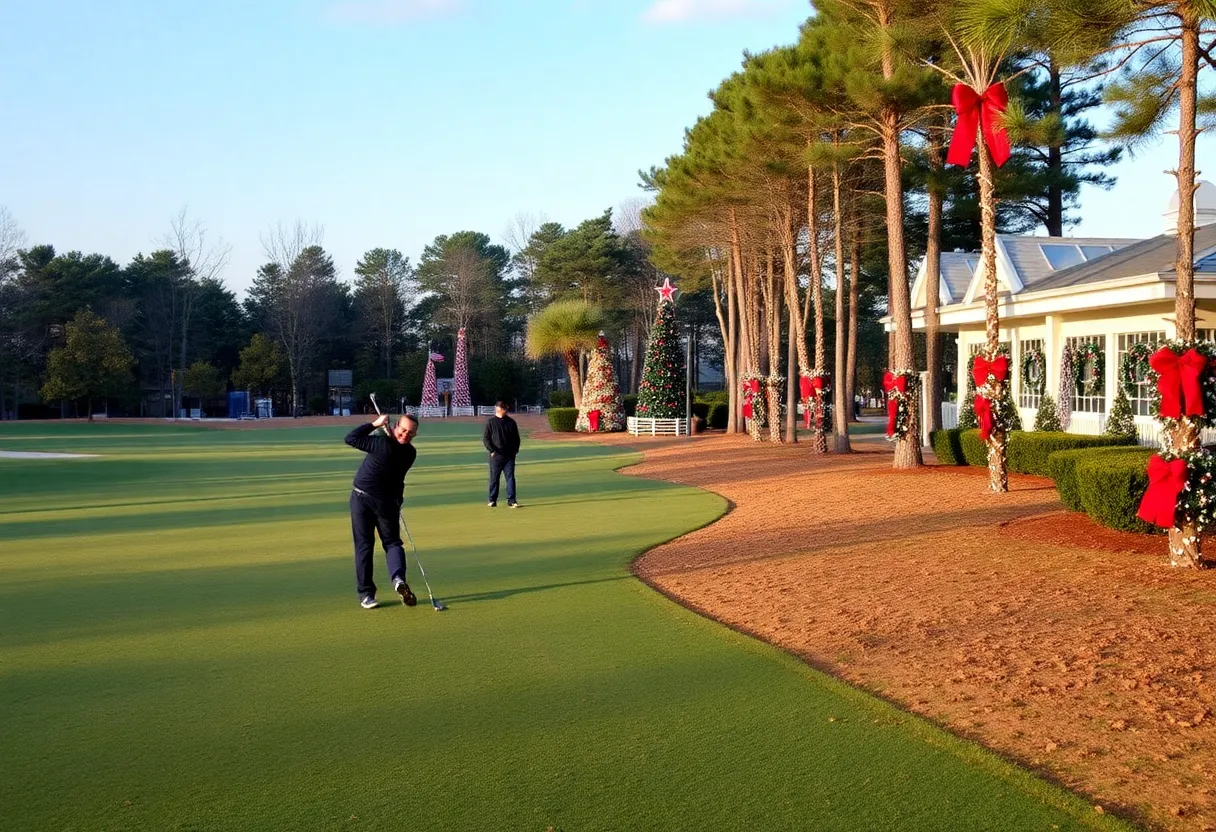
(667, 292)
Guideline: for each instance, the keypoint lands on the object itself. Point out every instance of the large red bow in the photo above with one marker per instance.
(892, 383)
(809, 386)
(1179, 381)
(997, 367)
(975, 110)
(593, 420)
(983, 414)
(1165, 482)
(747, 409)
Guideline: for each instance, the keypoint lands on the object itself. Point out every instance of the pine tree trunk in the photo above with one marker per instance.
(1185, 545)
(840, 424)
(998, 477)
(907, 449)
(791, 376)
(854, 301)
(933, 249)
(1055, 160)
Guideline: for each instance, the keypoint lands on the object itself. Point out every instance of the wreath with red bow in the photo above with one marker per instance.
(900, 387)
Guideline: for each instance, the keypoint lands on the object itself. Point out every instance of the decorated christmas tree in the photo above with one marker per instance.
(430, 390)
(460, 382)
(1047, 418)
(602, 410)
(661, 391)
(1121, 421)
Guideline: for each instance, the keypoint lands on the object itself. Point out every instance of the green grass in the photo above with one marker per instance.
(181, 649)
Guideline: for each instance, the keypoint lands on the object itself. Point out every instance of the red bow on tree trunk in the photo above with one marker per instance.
(892, 383)
(983, 414)
(979, 111)
(1179, 381)
(1165, 482)
(593, 420)
(998, 368)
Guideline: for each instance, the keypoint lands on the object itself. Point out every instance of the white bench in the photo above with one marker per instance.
(643, 426)
(485, 410)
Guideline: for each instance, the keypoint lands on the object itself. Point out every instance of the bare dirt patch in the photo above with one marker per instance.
(1070, 648)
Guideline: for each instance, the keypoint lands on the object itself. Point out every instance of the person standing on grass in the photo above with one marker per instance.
(501, 438)
(375, 503)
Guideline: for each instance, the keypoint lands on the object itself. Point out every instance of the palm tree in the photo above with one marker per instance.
(565, 328)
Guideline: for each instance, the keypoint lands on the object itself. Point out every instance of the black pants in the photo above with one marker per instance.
(366, 518)
(500, 465)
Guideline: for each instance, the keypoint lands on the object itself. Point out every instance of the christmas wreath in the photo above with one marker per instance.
(1134, 369)
(1034, 372)
(812, 389)
(900, 387)
(754, 410)
(1089, 368)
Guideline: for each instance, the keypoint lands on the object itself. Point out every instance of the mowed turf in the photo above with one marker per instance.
(181, 648)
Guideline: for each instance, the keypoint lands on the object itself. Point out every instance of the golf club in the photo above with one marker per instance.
(438, 606)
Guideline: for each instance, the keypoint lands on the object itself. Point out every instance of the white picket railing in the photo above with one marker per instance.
(643, 426)
(463, 411)
(485, 410)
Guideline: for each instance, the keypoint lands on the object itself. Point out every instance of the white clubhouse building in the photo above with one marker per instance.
(1057, 291)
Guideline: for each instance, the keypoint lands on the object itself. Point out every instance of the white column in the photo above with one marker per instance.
(1053, 344)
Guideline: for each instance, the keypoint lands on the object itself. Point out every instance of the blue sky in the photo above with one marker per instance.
(387, 121)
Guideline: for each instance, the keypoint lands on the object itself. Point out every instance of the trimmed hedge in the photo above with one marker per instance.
(947, 446)
(1027, 452)
(719, 414)
(561, 398)
(562, 419)
(630, 402)
(1062, 468)
(1110, 487)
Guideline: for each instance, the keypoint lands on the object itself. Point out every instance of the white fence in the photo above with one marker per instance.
(485, 410)
(426, 412)
(639, 426)
(463, 411)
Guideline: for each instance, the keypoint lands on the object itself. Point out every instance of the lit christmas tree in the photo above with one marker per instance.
(430, 390)
(602, 410)
(460, 382)
(661, 392)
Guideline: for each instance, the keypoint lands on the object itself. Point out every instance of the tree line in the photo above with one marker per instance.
(147, 337)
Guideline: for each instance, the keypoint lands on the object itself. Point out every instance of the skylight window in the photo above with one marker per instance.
(1061, 256)
(1094, 252)
(973, 263)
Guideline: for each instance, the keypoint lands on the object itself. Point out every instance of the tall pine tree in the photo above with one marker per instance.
(661, 392)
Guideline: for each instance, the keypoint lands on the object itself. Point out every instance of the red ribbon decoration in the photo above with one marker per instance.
(804, 386)
(983, 413)
(983, 111)
(890, 383)
(747, 408)
(753, 385)
(593, 419)
(1179, 381)
(1165, 482)
(997, 367)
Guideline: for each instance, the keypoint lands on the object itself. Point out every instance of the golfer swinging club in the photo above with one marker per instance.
(375, 503)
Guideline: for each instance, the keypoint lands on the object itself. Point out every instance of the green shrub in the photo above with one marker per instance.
(630, 402)
(1062, 468)
(561, 398)
(947, 447)
(1121, 422)
(1047, 418)
(1110, 487)
(701, 409)
(975, 450)
(1027, 451)
(562, 419)
(714, 397)
(719, 414)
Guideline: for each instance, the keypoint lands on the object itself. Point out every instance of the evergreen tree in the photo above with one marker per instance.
(93, 363)
(1047, 418)
(1121, 422)
(601, 395)
(661, 393)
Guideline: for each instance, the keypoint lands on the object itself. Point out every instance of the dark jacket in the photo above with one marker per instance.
(382, 474)
(501, 437)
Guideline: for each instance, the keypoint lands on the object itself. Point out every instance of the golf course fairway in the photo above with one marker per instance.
(181, 648)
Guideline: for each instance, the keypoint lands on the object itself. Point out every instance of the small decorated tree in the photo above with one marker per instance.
(1047, 419)
(1121, 421)
(460, 380)
(661, 391)
(602, 410)
(430, 390)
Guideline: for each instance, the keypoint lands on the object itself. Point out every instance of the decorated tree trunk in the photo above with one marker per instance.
(774, 389)
(602, 410)
(460, 380)
(754, 405)
(1181, 494)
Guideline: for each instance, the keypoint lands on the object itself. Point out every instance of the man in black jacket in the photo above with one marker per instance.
(501, 438)
(375, 503)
